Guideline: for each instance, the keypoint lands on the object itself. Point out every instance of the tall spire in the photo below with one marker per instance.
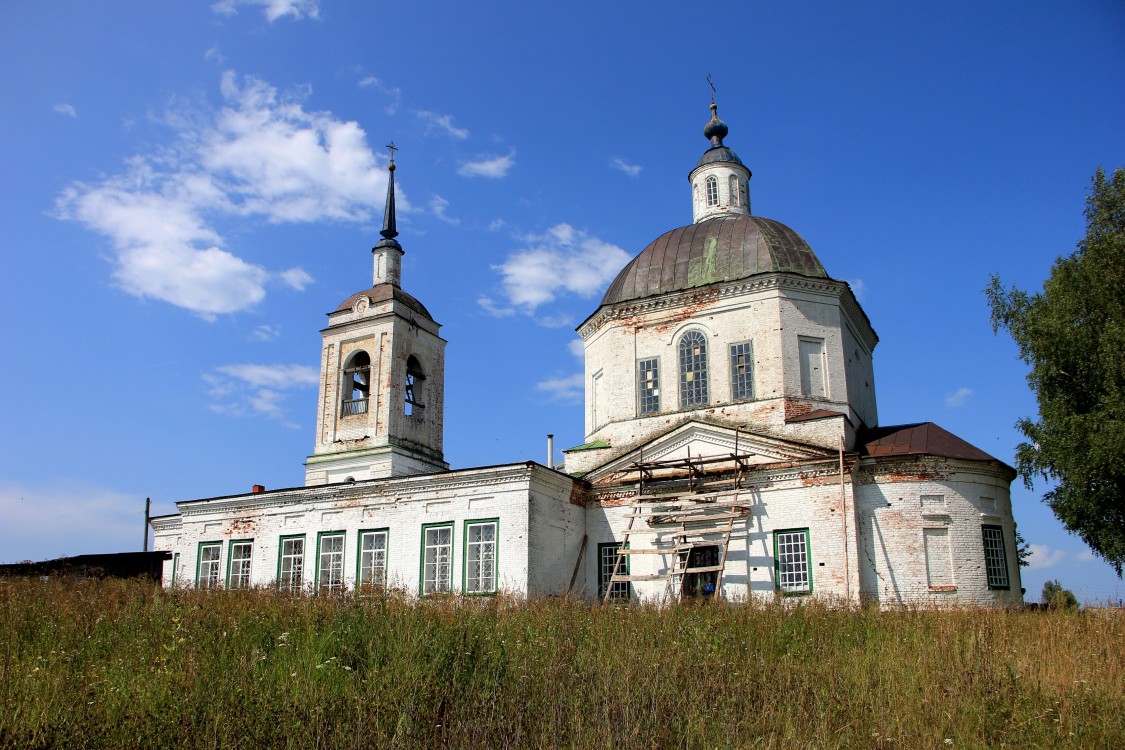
(387, 251)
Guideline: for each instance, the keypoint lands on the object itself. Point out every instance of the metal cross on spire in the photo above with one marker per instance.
(392, 147)
(712, 85)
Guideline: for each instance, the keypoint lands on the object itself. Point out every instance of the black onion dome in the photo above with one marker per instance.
(726, 248)
(721, 153)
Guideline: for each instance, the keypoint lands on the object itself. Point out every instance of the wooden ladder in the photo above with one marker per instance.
(681, 560)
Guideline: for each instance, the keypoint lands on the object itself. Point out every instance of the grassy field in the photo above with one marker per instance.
(123, 665)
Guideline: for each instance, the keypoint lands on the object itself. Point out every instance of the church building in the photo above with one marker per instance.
(732, 450)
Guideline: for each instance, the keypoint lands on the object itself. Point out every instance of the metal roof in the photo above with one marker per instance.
(384, 292)
(924, 438)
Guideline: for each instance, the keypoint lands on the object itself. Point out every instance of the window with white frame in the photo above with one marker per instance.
(372, 559)
(607, 560)
(733, 190)
(712, 191)
(480, 556)
(648, 386)
(207, 574)
(995, 558)
(238, 564)
(291, 563)
(792, 562)
(939, 565)
(330, 561)
(811, 353)
(742, 371)
(437, 558)
(693, 369)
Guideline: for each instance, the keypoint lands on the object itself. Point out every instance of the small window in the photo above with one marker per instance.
(372, 559)
(733, 189)
(693, 369)
(207, 573)
(414, 380)
(792, 563)
(480, 556)
(238, 564)
(811, 352)
(437, 558)
(712, 191)
(357, 385)
(742, 371)
(939, 566)
(330, 561)
(995, 558)
(291, 563)
(704, 583)
(607, 559)
(648, 386)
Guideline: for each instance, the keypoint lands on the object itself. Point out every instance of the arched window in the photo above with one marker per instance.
(712, 191)
(734, 191)
(693, 369)
(356, 385)
(414, 380)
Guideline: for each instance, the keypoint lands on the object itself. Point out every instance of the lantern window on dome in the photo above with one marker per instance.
(712, 191)
(733, 191)
(693, 369)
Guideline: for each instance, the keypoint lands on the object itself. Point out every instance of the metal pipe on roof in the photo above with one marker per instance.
(550, 451)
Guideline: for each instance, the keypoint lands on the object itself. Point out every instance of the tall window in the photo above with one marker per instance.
(712, 191)
(741, 371)
(372, 559)
(437, 558)
(238, 564)
(648, 386)
(995, 559)
(480, 556)
(291, 563)
(357, 385)
(792, 563)
(330, 561)
(693, 369)
(733, 183)
(207, 572)
(175, 568)
(414, 380)
(939, 566)
(811, 353)
(607, 558)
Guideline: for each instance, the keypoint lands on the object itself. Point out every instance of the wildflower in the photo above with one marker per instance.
(948, 741)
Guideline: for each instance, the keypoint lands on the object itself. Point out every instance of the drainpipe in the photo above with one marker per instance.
(550, 451)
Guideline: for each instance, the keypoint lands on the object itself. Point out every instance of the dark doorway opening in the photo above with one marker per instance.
(698, 585)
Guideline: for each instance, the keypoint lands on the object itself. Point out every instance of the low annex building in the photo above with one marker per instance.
(732, 449)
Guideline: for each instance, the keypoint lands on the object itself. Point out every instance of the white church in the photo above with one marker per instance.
(732, 449)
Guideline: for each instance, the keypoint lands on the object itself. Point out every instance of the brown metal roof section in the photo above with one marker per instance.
(924, 438)
(383, 293)
(727, 248)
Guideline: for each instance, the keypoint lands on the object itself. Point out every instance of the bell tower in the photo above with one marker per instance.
(382, 377)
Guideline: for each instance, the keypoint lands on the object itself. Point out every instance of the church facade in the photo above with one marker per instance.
(732, 449)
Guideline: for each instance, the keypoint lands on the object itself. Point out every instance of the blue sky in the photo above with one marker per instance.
(190, 187)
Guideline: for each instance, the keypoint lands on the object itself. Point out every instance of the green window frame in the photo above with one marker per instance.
(239, 555)
(479, 569)
(436, 565)
(329, 574)
(648, 386)
(693, 370)
(792, 561)
(175, 568)
(207, 565)
(995, 557)
(607, 558)
(291, 562)
(742, 371)
(371, 558)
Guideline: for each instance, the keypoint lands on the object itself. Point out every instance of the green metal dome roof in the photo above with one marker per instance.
(726, 248)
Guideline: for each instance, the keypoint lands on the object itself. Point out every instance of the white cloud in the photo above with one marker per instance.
(254, 389)
(488, 165)
(1085, 556)
(65, 109)
(958, 398)
(489, 305)
(437, 208)
(265, 332)
(261, 155)
(444, 123)
(567, 388)
(496, 225)
(1043, 556)
(272, 9)
(395, 93)
(633, 170)
(297, 278)
(564, 260)
(859, 288)
(213, 55)
(577, 348)
(57, 519)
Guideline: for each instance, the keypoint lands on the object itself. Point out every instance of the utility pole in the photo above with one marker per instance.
(148, 507)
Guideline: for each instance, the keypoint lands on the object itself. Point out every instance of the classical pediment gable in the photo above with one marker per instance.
(708, 445)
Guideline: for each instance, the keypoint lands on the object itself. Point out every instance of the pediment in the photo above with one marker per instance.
(700, 440)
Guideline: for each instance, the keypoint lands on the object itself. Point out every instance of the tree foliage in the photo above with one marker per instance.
(1056, 597)
(1072, 334)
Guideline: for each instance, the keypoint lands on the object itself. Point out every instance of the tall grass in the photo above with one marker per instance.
(121, 664)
